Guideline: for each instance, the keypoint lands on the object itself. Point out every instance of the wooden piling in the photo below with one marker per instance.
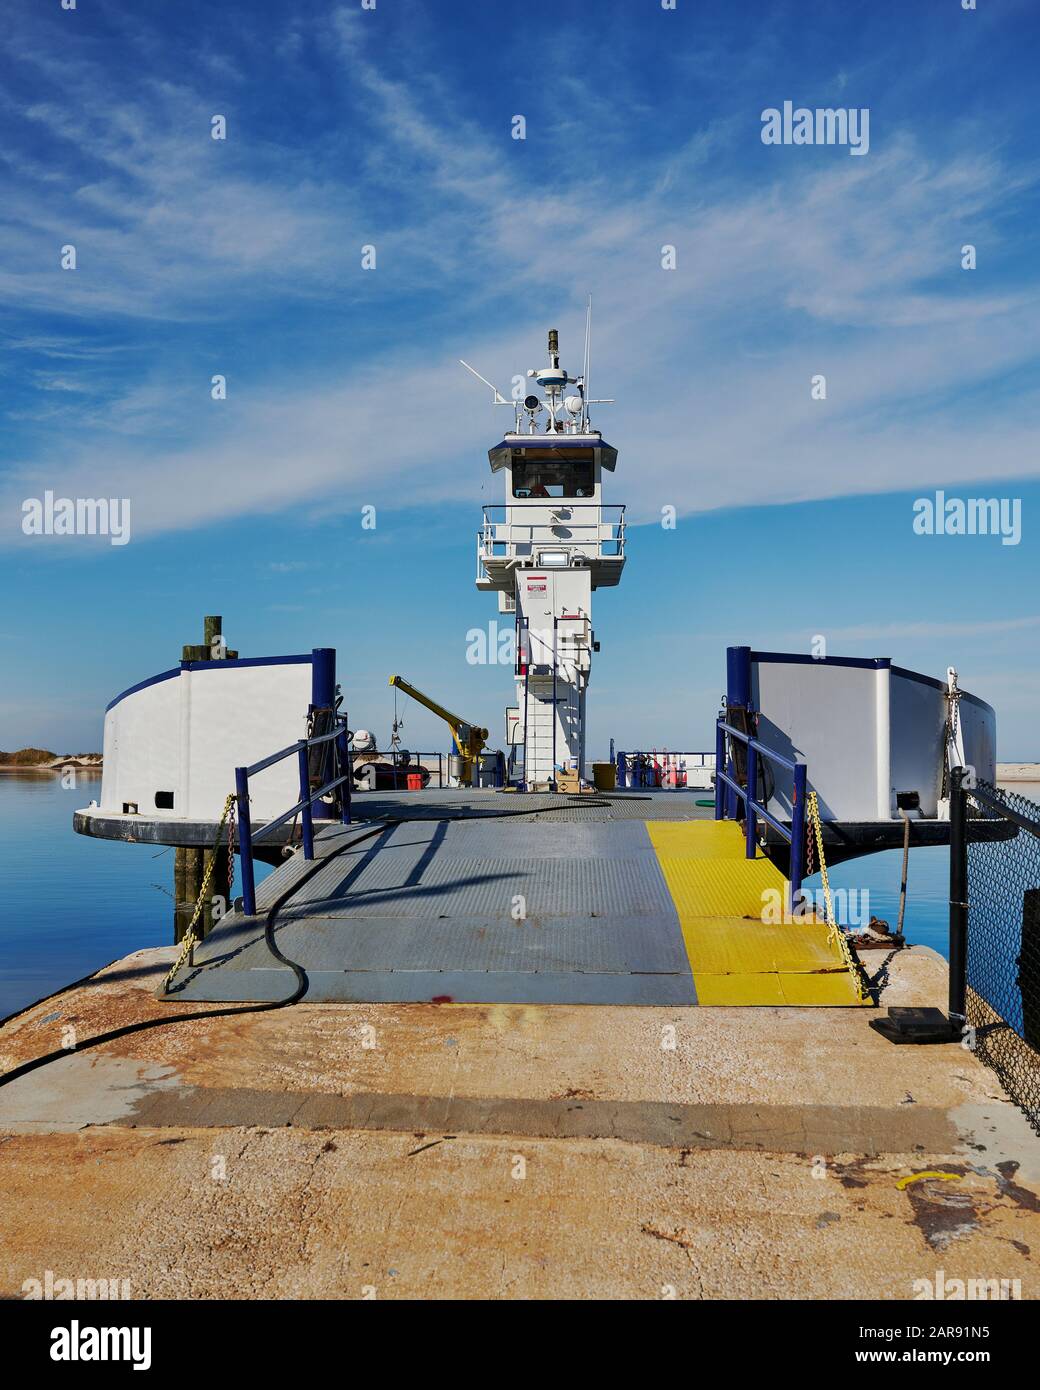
(189, 870)
(180, 893)
(189, 864)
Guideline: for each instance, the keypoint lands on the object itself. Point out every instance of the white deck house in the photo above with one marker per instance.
(544, 551)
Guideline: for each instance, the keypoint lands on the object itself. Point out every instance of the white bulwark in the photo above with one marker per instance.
(544, 551)
(173, 742)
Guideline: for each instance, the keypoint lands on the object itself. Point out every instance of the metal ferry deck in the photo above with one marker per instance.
(474, 897)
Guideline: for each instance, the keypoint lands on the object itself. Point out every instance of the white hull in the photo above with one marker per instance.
(871, 734)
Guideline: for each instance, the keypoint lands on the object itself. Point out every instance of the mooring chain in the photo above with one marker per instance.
(835, 933)
(813, 807)
(953, 711)
(230, 850)
(190, 939)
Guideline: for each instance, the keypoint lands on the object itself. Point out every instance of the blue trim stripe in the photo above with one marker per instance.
(553, 441)
(143, 685)
(874, 663)
(246, 661)
(207, 666)
(938, 685)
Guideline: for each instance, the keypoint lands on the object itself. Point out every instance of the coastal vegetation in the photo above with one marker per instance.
(43, 757)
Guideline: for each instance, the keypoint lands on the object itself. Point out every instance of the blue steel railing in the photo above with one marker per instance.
(794, 833)
(246, 837)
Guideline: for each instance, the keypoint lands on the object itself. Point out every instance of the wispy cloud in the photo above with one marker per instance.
(904, 631)
(786, 269)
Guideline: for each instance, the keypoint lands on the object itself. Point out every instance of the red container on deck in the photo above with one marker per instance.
(415, 781)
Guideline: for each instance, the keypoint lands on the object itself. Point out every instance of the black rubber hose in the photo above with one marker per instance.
(269, 941)
(145, 1024)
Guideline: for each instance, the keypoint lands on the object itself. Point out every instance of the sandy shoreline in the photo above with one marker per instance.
(52, 771)
(1018, 772)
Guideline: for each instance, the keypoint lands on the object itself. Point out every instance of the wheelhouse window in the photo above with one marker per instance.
(554, 473)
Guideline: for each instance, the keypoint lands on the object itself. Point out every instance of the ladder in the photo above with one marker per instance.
(539, 731)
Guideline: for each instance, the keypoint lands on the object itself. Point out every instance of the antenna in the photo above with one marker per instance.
(587, 360)
(499, 398)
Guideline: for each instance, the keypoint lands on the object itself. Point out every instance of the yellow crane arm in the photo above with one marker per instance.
(469, 738)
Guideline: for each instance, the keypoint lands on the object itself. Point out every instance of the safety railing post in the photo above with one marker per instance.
(958, 897)
(720, 766)
(750, 819)
(306, 815)
(526, 640)
(738, 696)
(245, 842)
(343, 770)
(556, 624)
(797, 836)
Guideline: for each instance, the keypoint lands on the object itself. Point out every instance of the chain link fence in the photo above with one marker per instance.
(1003, 943)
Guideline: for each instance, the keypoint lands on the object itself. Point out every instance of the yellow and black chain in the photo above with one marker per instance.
(231, 851)
(835, 934)
(190, 939)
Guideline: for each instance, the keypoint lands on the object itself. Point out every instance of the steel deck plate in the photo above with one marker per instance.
(524, 908)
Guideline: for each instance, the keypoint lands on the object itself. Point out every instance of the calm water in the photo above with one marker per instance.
(70, 904)
(928, 886)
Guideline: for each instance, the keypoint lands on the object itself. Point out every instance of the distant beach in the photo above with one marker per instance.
(43, 760)
(1017, 772)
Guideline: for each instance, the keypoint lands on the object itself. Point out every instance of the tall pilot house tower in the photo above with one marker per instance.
(544, 552)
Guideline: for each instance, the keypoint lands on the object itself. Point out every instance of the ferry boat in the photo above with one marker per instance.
(863, 746)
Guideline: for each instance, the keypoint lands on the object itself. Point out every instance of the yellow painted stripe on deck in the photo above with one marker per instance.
(736, 958)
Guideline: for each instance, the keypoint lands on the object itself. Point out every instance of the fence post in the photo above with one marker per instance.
(556, 624)
(343, 770)
(797, 836)
(525, 634)
(306, 815)
(720, 766)
(958, 897)
(245, 842)
(750, 819)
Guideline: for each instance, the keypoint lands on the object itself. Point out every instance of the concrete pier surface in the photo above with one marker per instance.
(504, 1151)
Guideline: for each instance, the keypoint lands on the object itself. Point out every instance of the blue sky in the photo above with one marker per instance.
(392, 127)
